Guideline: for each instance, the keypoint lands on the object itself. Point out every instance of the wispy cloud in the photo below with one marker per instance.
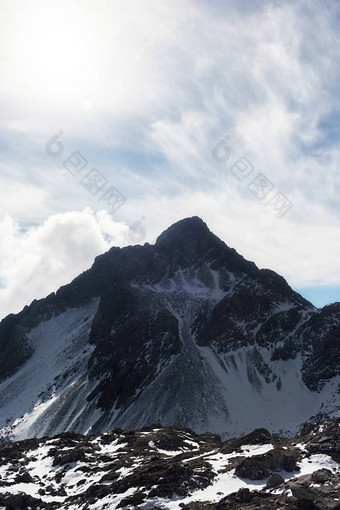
(146, 92)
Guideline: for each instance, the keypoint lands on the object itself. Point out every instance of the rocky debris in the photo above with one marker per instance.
(292, 496)
(258, 467)
(13, 452)
(257, 436)
(23, 501)
(157, 465)
(24, 477)
(68, 457)
(322, 438)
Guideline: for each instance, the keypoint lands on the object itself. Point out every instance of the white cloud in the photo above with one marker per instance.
(154, 89)
(37, 262)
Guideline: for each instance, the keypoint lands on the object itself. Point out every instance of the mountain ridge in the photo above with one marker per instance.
(179, 332)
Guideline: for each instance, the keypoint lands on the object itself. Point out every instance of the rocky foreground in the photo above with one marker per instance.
(172, 467)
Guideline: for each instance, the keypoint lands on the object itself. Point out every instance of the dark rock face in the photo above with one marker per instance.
(14, 349)
(325, 358)
(128, 342)
(179, 328)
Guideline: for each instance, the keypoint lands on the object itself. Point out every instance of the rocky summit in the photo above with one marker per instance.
(174, 468)
(185, 332)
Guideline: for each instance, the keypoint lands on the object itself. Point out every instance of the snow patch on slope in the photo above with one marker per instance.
(49, 391)
(253, 406)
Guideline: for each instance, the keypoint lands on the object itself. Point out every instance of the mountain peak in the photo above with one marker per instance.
(193, 226)
(179, 332)
(190, 236)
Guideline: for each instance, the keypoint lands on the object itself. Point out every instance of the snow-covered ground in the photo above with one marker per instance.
(125, 455)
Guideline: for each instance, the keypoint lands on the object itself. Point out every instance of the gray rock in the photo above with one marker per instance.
(304, 493)
(258, 467)
(274, 480)
(322, 476)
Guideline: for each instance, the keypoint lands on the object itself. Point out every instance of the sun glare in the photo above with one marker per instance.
(71, 58)
(55, 51)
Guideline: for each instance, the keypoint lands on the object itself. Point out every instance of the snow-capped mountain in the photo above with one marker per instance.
(184, 332)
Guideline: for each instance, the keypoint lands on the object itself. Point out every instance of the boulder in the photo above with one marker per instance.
(322, 475)
(74, 455)
(304, 493)
(258, 467)
(274, 480)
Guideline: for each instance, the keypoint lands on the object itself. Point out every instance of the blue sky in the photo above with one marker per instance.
(146, 93)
